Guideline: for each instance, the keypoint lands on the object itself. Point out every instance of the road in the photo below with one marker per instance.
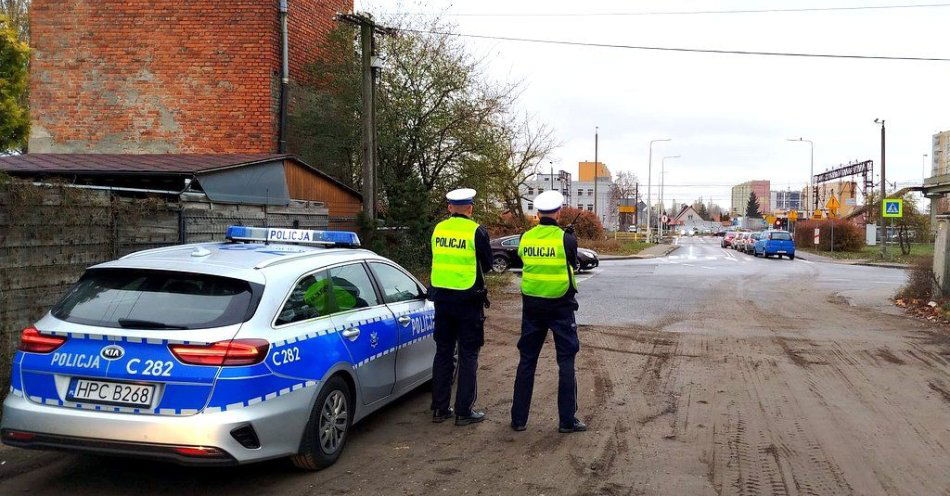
(705, 372)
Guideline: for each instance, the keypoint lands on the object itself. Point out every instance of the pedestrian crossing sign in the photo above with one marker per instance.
(893, 207)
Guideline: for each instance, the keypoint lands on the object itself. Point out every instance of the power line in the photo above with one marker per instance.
(677, 49)
(682, 12)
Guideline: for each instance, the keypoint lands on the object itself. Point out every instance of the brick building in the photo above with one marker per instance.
(167, 76)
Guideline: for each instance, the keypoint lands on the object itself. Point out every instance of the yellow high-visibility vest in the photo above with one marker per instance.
(454, 264)
(546, 273)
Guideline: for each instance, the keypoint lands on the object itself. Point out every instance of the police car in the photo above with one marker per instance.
(271, 344)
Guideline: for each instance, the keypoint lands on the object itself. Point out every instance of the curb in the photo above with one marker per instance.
(885, 265)
(667, 251)
(819, 258)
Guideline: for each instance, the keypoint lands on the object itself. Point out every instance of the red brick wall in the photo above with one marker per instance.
(175, 76)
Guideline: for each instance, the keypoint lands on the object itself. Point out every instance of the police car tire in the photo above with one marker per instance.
(311, 455)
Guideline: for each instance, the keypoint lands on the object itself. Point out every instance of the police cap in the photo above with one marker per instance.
(548, 202)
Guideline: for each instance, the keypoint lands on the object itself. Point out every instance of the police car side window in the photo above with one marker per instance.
(352, 287)
(309, 299)
(396, 285)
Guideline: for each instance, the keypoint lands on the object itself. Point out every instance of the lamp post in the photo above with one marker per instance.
(649, 187)
(662, 182)
(811, 175)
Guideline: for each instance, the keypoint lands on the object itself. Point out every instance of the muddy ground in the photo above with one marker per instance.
(837, 399)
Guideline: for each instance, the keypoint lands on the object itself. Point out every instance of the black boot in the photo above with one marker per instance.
(472, 418)
(577, 427)
(440, 415)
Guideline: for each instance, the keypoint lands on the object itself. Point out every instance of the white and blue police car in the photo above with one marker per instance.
(270, 344)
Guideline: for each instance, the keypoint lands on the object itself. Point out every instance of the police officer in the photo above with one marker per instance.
(548, 287)
(461, 253)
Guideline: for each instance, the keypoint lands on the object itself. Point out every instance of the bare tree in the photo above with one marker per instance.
(18, 11)
(624, 187)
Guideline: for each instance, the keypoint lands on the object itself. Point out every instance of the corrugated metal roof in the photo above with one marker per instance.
(91, 163)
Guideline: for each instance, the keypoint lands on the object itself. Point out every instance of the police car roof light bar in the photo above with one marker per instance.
(300, 236)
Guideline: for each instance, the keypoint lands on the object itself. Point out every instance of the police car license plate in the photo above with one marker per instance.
(111, 393)
(780, 251)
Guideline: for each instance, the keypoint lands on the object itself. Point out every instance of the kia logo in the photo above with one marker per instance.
(112, 352)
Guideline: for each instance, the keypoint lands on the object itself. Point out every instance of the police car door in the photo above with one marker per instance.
(414, 322)
(367, 329)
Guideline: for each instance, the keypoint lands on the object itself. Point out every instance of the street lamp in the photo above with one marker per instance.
(811, 176)
(662, 182)
(649, 187)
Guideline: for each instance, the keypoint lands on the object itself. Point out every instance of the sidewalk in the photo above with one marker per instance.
(655, 251)
(812, 257)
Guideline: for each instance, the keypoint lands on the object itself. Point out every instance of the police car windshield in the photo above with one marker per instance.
(152, 299)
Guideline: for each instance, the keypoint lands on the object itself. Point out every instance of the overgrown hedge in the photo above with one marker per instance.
(846, 235)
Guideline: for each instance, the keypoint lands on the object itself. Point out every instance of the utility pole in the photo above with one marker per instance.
(649, 187)
(596, 171)
(370, 65)
(883, 189)
(636, 205)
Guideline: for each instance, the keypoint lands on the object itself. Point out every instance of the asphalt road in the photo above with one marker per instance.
(705, 372)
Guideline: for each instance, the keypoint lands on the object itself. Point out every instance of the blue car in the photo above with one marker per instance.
(775, 243)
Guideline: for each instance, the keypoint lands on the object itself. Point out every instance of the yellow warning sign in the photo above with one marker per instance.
(833, 205)
(793, 215)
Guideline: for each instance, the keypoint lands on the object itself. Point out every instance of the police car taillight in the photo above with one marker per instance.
(32, 341)
(222, 353)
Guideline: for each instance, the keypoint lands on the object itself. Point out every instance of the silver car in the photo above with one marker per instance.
(269, 345)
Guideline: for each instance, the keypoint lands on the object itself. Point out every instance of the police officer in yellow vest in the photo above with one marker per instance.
(549, 255)
(461, 253)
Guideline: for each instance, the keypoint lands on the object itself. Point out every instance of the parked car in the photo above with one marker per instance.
(775, 243)
(739, 239)
(222, 353)
(505, 255)
(727, 238)
(748, 244)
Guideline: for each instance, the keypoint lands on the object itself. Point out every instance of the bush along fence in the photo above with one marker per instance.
(834, 235)
(50, 234)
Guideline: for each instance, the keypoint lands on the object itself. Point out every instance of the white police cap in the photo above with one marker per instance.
(461, 196)
(549, 201)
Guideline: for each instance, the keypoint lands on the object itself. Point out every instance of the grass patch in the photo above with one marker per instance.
(615, 247)
(873, 253)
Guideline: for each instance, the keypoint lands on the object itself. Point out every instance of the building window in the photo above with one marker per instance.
(590, 192)
(540, 190)
(590, 207)
(530, 190)
(530, 205)
(580, 205)
(580, 192)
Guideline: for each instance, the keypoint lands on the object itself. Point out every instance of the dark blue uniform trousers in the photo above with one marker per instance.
(460, 323)
(534, 328)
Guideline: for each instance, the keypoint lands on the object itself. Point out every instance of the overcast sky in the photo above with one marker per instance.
(728, 115)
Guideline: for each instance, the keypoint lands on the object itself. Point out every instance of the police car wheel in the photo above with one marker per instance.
(327, 430)
(499, 263)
